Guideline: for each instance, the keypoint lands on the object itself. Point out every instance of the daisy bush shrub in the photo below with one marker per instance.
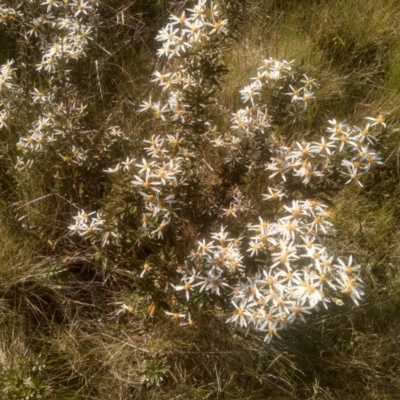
(210, 207)
(48, 92)
(57, 34)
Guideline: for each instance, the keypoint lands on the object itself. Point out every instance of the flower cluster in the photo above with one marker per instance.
(9, 92)
(347, 149)
(61, 32)
(296, 273)
(70, 25)
(87, 223)
(193, 39)
(186, 31)
(9, 15)
(157, 182)
(41, 102)
(57, 33)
